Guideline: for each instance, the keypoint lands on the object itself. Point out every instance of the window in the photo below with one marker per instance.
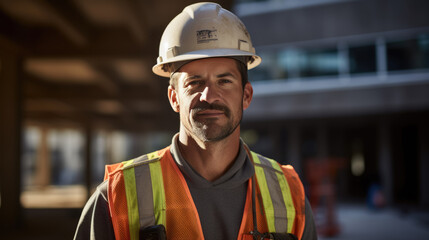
(305, 63)
(408, 54)
(362, 59)
(319, 63)
(290, 63)
(296, 63)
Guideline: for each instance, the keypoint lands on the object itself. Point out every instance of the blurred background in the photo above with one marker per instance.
(342, 94)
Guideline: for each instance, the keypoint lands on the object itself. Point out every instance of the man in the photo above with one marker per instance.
(207, 184)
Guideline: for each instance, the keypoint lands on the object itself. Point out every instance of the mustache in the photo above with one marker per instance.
(202, 106)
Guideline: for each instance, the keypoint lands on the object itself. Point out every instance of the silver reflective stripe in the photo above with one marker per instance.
(144, 191)
(280, 211)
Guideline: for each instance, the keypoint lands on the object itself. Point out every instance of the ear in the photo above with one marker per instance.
(172, 97)
(247, 95)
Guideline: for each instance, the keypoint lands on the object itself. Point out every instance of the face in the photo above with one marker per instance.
(210, 98)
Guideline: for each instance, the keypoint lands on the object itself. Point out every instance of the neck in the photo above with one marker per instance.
(210, 159)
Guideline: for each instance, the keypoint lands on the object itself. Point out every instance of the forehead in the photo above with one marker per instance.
(208, 66)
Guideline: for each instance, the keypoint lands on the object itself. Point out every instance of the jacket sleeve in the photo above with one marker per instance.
(310, 232)
(95, 221)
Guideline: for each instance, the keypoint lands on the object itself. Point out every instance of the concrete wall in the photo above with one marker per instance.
(338, 19)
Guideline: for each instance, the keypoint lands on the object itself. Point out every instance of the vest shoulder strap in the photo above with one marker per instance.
(282, 195)
(298, 192)
(144, 159)
(128, 214)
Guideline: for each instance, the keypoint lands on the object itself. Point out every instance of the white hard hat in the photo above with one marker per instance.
(204, 30)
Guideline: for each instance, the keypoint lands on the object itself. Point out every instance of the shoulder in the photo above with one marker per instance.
(95, 219)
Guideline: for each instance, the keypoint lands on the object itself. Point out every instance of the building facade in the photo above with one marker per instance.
(344, 84)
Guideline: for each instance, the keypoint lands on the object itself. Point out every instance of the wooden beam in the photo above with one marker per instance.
(43, 90)
(68, 20)
(12, 34)
(99, 43)
(105, 44)
(138, 123)
(135, 20)
(39, 89)
(113, 78)
(110, 77)
(53, 103)
(10, 140)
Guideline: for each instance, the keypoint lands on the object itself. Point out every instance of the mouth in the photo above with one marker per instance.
(209, 113)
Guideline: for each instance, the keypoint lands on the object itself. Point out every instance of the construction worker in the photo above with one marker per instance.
(207, 184)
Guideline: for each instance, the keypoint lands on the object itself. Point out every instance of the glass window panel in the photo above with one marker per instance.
(424, 50)
(362, 59)
(408, 54)
(319, 63)
(289, 63)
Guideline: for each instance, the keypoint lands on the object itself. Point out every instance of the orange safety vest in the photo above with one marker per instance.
(163, 197)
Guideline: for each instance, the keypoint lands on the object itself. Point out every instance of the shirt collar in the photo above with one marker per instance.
(240, 171)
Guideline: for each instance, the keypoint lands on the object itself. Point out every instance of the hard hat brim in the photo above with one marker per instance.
(254, 61)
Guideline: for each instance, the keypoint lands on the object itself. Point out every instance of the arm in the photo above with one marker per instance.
(95, 221)
(310, 227)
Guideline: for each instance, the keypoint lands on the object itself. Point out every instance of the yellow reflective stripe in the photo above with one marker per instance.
(158, 197)
(287, 196)
(132, 205)
(158, 192)
(266, 199)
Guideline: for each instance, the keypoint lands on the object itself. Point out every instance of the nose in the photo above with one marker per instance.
(209, 94)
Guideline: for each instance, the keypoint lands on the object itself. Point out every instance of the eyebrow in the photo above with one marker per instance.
(227, 74)
(192, 77)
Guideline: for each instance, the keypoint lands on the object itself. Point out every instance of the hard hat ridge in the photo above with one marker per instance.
(203, 30)
(202, 10)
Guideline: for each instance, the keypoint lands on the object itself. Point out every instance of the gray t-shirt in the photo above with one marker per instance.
(220, 204)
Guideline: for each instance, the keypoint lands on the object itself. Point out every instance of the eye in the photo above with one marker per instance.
(224, 81)
(195, 83)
